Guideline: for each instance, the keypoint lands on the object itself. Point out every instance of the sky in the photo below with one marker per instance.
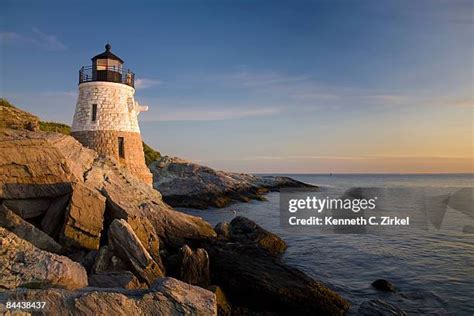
(265, 86)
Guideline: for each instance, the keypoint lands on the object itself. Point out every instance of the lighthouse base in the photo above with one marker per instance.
(125, 147)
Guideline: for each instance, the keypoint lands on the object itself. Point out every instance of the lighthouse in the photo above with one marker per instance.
(106, 116)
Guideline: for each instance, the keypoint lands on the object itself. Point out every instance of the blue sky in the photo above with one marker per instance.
(265, 86)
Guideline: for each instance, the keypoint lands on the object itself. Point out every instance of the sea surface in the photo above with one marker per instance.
(432, 269)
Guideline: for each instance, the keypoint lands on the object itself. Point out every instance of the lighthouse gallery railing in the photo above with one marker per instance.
(111, 74)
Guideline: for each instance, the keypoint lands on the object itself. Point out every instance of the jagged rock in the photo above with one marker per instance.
(253, 278)
(31, 167)
(243, 230)
(142, 207)
(223, 306)
(125, 243)
(383, 285)
(223, 230)
(167, 296)
(123, 279)
(11, 117)
(106, 261)
(186, 184)
(54, 216)
(84, 218)
(24, 265)
(379, 308)
(194, 266)
(78, 158)
(28, 208)
(27, 231)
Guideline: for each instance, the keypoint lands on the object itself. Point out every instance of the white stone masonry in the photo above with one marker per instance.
(117, 110)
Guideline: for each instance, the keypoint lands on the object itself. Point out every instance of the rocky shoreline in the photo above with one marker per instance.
(81, 234)
(183, 183)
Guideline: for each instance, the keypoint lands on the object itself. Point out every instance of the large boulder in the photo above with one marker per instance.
(31, 167)
(84, 218)
(243, 230)
(125, 243)
(27, 231)
(143, 208)
(254, 279)
(193, 266)
(24, 265)
(186, 184)
(167, 296)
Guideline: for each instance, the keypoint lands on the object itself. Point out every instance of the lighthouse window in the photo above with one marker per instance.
(121, 147)
(94, 112)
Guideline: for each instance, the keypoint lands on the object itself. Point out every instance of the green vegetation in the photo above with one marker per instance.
(55, 127)
(150, 154)
(4, 102)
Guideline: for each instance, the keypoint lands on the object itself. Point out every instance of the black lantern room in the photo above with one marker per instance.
(107, 67)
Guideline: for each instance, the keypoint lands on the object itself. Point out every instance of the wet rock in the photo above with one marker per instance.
(186, 184)
(222, 229)
(383, 285)
(84, 218)
(24, 265)
(223, 306)
(379, 308)
(244, 230)
(15, 224)
(123, 279)
(254, 279)
(194, 266)
(167, 296)
(125, 243)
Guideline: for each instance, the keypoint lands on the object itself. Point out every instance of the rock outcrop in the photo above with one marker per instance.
(114, 232)
(167, 296)
(128, 247)
(186, 184)
(84, 218)
(24, 265)
(143, 208)
(243, 230)
(259, 281)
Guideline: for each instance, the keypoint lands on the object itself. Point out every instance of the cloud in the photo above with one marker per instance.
(215, 115)
(143, 83)
(399, 157)
(36, 38)
(463, 103)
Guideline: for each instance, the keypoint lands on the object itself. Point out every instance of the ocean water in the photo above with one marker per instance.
(433, 270)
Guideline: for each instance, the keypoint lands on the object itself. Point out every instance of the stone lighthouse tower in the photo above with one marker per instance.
(106, 113)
